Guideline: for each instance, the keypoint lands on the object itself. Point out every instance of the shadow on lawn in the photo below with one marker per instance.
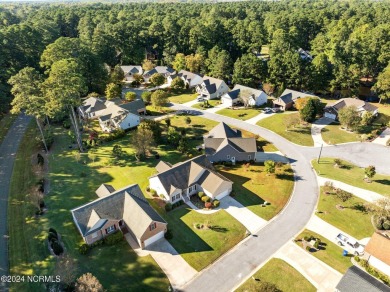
(383, 181)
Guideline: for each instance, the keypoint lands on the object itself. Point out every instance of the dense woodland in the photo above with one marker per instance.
(77, 43)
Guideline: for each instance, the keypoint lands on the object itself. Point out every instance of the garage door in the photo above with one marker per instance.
(330, 116)
(154, 238)
(226, 101)
(221, 195)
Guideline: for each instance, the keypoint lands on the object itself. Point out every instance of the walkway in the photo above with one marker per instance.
(216, 108)
(383, 137)
(316, 129)
(8, 150)
(322, 276)
(259, 117)
(250, 220)
(366, 195)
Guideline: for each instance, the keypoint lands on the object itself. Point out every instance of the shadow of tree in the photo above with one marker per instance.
(218, 228)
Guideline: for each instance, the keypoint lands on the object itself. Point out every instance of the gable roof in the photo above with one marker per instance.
(355, 279)
(187, 75)
(197, 170)
(125, 202)
(224, 131)
(379, 247)
(214, 145)
(212, 84)
(290, 95)
(133, 69)
(163, 166)
(233, 95)
(93, 104)
(358, 103)
(104, 190)
(248, 90)
(134, 106)
(160, 69)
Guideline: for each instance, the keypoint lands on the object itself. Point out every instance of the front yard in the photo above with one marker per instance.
(352, 175)
(212, 103)
(333, 134)
(252, 186)
(300, 135)
(183, 98)
(279, 273)
(240, 114)
(352, 219)
(330, 253)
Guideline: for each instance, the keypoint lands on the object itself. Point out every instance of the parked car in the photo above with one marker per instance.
(267, 110)
(200, 98)
(350, 244)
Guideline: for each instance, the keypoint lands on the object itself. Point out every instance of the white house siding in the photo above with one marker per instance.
(155, 184)
(223, 88)
(258, 100)
(153, 239)
(378, 264)
(226, 100)
(130, 121)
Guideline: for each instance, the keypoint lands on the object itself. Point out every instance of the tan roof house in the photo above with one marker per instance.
(182, 180)
(211, 88)
(288, 98)
(379, 250)
(125, 209)
(331, 111)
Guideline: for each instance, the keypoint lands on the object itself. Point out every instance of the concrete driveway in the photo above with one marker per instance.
(178, 271)
(250, 220)
(316, 129)
(383, 137)
(259, 117)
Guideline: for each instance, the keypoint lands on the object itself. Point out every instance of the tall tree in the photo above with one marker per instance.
(249, 70)
(219, 63)
(194, 63)
(179, 63)
(382, 86)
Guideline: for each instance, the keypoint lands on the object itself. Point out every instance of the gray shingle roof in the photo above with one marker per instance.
(133, 106)
(93, 104)
(224, 131)
(234, 94)
(213, 145)
(104, 190)
(357, 280)
(187, 75)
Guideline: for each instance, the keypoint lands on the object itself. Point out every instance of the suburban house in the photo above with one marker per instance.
(182, 180)
(250, 96)
(288, 98)
(331, 111)
(92, 107)
(355, 279)
(123, 210)
(378, 249)
(130, 71)
(225, 144)
(211, 88)
(190, 79)
(164, 70)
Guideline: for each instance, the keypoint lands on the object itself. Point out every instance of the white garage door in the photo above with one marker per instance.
(226, 101)
(330, 116)
(221, 195)
(154, 238)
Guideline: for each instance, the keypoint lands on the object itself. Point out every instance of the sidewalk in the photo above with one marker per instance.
(259, 117)
(383, 137)
(316, 129)
(322, 276)
(366, 195)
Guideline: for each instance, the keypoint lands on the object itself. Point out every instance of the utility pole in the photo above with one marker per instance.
(319, 156)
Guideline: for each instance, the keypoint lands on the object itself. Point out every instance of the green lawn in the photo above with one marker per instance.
(253, 186)
(333, 134)
(300, 135)
(158, 112)
(201, 247)
(353, 175)
(183, 98)
(351, 219)
(332, 255)
(28, 249)
(279, 273)
(211, 102)
(265, 145)
(6, 122)
(241, 114)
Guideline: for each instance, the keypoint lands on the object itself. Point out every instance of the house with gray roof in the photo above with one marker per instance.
(249, 96)
(331, 111)
(182, 180)
(92, 107)
(288, 98)
(164, 70)
(130, 71)
(225, 144)
(124, 210)
(211, 88)
(190, 79)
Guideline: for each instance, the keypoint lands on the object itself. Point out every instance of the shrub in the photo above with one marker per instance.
(308, 248)
(364, 263)
(84, 248)
(53, 231)
(168, 234)
(208, 205)
(168, 207)
(306, 238)
(153, 192)
(206, 199)
(52, 237)
(386, 225)
(357, 259)
(113, 238)
(148, 188)
(40, 159)
(97, 243)
(201, 195)
(57, 248)
(216, 203)
(338, 162)
(316, 244)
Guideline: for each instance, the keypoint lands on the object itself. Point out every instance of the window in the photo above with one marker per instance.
(228, 157)
(110, 229)
(152, 226)
(249, 157)
(129, 124)
(194, 187)
(94, 235)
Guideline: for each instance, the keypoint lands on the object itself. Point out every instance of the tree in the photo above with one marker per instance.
(382, 86)
(88, 283)
(117, 151)
(173, 136)
(146, 96)
(309, 111)
(159, 98)
(28, 96)
(194, 63)
(117, 75)
(349, 117)
(219, 63)
(178, 83)
(66, 268)
(157, 79)
(188, 120)
(138, 78)
(381, 211)
(179, 63)
(269, 166)
(168, 122)
(153, 126)
(113, 91)
(130, 96)
(370, 172)
(249, 70)
(147, 65)
(142, 141)
(36, 198)
(301, 102)
(183, 146)
(367, 118)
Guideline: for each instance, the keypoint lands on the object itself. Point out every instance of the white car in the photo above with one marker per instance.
(200, 98)
(350, 244)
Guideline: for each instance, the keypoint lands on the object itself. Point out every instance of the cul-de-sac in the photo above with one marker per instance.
(192, 146)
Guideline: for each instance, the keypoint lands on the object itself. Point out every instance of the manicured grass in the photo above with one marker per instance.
(265, 145)
(253, 186)
(279, 273)
(6, 122)
(332, 255)
(158, 112)
(211, 102)
(183, 98)
(201, 247)
(300, 135)
(240, 114)
(353, 175)
(351, 219)
(333, 134)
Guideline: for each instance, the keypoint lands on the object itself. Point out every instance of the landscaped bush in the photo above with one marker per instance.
(57, 248)
(148, 189)
(201, 195)
(306, 238)
(205, 199)
(52, 237)
(153, 193)
(308, 248)
(316, 244)
(113, 238)
(208, 205)
(97, 243)
(386, 225)
(84, 248)
(216, 203)
(357, 259)
(168, 207)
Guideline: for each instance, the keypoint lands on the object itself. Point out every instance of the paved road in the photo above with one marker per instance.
(235, 266)
(8, 150)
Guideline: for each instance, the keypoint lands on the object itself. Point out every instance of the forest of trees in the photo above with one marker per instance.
(348, 40)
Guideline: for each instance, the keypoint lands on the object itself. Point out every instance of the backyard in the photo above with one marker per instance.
(352, 174)
(352, 219)
(279, 273)
(331, 254)
(240, 114)
(252, 187)
(212, 103)
(300, 135)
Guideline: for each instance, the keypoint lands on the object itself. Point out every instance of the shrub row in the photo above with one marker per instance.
(384, 278)
(169, 206)
(52, 237)
(110, 239)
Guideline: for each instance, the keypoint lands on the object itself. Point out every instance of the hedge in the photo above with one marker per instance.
(113, 238)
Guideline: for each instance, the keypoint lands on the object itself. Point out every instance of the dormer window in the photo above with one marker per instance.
(152, 226)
